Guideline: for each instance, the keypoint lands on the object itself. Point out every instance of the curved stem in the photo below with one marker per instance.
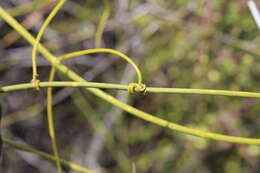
(35, 76)
(39, 36)
(110, 99)
(104, 50)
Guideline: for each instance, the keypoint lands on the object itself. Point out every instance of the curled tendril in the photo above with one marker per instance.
(136, 88)
(36, 84)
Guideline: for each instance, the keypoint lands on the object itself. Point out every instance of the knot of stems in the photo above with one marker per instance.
(136, 88)
(36, 83)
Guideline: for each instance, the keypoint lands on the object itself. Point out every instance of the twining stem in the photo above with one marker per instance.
(104, 50)
(35, 81)
(25, 86)
(98, 40)
(110, 99)
(46, 156)
(39, 36)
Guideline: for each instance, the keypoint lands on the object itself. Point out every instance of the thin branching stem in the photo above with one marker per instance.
(104, 50)
(39, 36)
(110, 99)
(113, 86)
(35, 81)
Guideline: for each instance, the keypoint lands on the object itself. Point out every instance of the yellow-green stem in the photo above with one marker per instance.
(104, 50)
(51, 123)
(25, 86)
(39, 36)
(138, 113)
(35, 81)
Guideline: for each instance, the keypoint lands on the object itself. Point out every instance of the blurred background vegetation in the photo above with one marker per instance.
(177, 43)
